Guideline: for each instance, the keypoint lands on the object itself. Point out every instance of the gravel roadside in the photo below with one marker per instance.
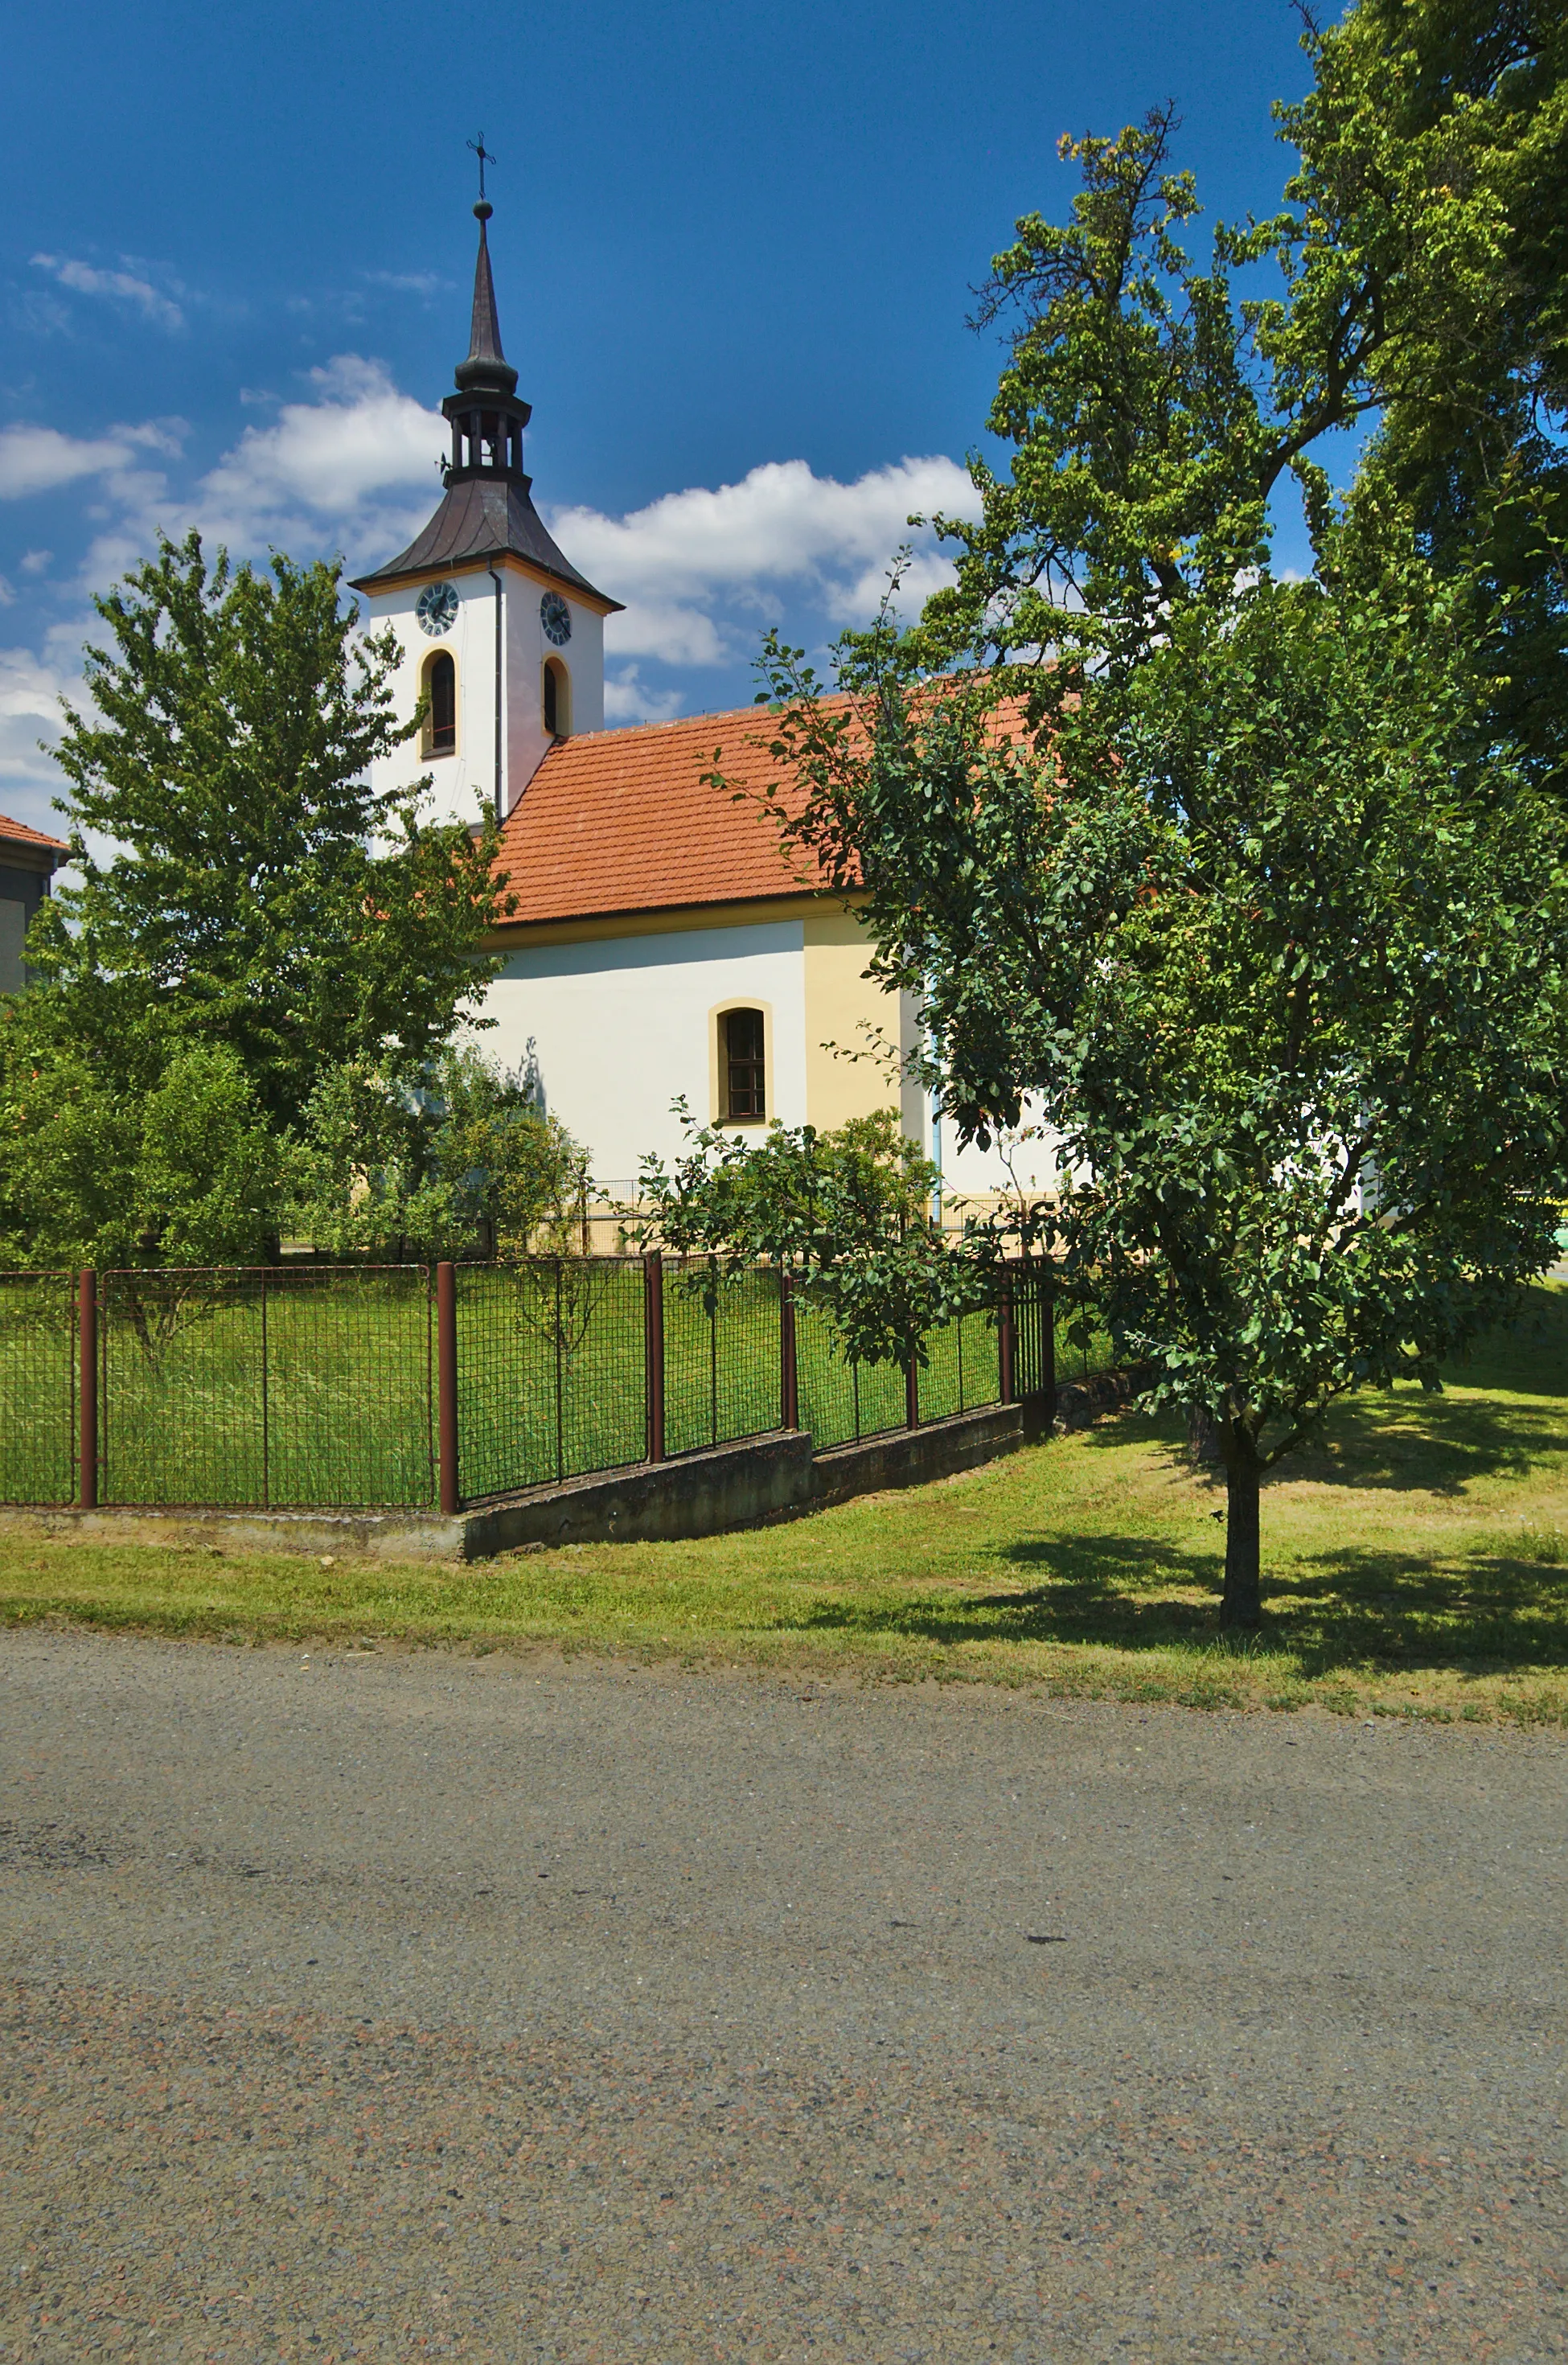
(386, 2005)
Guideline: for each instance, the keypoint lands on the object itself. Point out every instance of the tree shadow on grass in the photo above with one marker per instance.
(1401, 1437)
(1394, 1611)
(1389, 1611)
(1104, 1589)
(1467, 1612)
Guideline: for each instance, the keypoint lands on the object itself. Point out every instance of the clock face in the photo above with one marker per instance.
(436, 608)
(557, 619)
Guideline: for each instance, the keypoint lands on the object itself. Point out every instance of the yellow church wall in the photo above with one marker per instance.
(851, 1012)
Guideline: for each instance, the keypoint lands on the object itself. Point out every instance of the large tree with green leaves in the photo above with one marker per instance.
(1267, 900)
(1157, 407)
(1434, 140)
(255, 892)
(249, 919)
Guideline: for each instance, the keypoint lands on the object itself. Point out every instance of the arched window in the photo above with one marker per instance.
(742, 1063)
(557, 699)
(441, 718)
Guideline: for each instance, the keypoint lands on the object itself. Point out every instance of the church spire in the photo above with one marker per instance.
(486, 413)
(487, 366)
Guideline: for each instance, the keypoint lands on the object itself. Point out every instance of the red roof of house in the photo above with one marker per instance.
(18, 833)
(624, 821)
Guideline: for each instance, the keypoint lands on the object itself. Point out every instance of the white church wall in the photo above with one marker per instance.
(463, 783)
(1025, 1160)
(621, 1027)
(526, 648)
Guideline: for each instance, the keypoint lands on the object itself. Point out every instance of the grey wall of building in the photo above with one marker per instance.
(21, 893)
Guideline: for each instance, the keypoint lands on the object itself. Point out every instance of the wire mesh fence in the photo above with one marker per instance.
(37, 1387)
(1084, 1348)
(265, 1388)
(551, 1370)
(723, 1372)
(318, 1386)
(963, 1371)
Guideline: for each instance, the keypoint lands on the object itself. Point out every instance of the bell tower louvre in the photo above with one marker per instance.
(501, 636)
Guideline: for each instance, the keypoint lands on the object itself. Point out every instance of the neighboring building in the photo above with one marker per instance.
(663, 947)
(28, 860)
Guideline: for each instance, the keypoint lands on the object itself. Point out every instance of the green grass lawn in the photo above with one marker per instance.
(1417, 1565)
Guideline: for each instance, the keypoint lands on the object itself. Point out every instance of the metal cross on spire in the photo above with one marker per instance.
(485, 156)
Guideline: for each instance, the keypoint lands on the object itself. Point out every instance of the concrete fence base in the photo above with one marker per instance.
(1080, 1403)
(745, 1484)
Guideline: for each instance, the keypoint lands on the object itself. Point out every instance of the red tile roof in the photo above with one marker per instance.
(624, 821)
(16, 833)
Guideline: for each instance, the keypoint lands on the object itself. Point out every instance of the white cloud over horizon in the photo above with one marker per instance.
(32, 683)
(359, 437)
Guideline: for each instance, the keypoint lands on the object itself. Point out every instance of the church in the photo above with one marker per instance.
(663, 945)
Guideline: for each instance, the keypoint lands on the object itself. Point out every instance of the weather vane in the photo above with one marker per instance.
(485, 156)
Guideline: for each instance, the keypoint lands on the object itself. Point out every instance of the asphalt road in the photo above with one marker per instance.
(395, 2005)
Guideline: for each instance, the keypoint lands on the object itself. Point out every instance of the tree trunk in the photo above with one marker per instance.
(1241, 1603)
(1202, 1434)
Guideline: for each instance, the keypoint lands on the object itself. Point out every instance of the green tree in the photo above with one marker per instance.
(256, 894)
(1155, 412)
(1436, 136)
(847, 1212)
(97, 1172)
(1255, 887)
(466, 1163)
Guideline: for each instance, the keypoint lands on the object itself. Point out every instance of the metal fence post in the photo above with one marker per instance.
(87, 1389)
(1006, 1343)
(1048, 1320)
(446, 1384)
(789, 1364)
(654, 1350)
(266, 1413)
(912, 1391)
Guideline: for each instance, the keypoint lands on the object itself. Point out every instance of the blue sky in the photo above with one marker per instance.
(733, 250)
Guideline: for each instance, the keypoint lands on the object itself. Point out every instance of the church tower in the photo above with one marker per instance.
(499, 631)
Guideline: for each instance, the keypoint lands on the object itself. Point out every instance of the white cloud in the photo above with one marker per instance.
(359, 437)
(407, 282)
(353, 469)
(35, 562)
(37, 459)
(676, 632)
(354, 466)
(123, 286)
(628, 699)
(349, 465)
(31, 686)
(688, 558)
